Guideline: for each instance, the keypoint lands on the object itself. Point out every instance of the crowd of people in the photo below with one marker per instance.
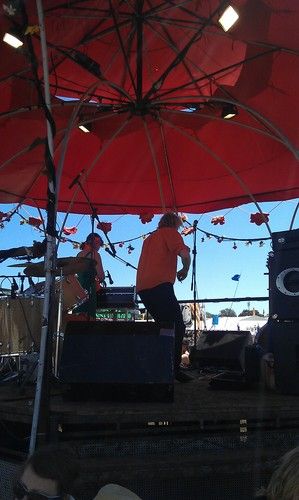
(53, 471)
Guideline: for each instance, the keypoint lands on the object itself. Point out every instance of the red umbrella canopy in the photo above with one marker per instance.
(153, 78)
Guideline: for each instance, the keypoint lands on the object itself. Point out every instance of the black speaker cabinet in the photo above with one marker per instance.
(221, 348)
(284, 275)
(285, 341)
(118, 361)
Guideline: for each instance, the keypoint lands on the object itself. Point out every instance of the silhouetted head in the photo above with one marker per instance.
(170, 219)
(94, 240)
(50, 473)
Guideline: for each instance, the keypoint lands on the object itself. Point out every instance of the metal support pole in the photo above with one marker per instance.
(58, 327)
(194, 284)
(51, 249)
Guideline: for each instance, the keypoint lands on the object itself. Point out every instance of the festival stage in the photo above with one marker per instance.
(220, 443)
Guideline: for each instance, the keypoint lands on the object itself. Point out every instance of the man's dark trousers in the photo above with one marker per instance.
(162, 304)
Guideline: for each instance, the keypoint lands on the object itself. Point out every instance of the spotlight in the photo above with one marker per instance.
(229, 111)
(13, 38)
(228, 18)
(85, 128)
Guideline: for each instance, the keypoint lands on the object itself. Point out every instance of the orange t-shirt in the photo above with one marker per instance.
(158, 259)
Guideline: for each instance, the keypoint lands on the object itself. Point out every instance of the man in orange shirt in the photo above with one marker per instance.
(156, 274)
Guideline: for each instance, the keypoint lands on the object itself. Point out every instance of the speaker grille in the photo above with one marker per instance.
(9, 472)
(284, 275)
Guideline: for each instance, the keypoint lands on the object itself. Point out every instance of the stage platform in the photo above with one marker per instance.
(221, 443)
(195, 405)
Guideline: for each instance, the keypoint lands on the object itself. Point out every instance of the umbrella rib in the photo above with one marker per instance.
(34, 144)
(154, 207)
(66, 138)
(24, 196)
(233, 123)
(65, 5)
(158, 83)
(185, 10)
(293, 217)
(155, 164)
(176, 49)
(223, 163)
(102, 79)
(71, 122)
(139, 59)
(255, 43)
(96, 95)
(219, 71)
(97, 157)
(242, 199)
(173, 46)
(127, 64)
(84, 41)
(260, 117)
(168, 165)
(166, 6)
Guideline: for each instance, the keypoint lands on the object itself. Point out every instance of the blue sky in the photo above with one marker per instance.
(216, 262)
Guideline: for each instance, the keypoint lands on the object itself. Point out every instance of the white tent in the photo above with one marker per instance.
(243, 323)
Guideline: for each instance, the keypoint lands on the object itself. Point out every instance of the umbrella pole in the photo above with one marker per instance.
(41, 401)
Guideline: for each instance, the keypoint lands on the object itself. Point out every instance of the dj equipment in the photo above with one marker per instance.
(118, 361)
(285, 340)
(117, 296)
(224, 349)
(284, 275)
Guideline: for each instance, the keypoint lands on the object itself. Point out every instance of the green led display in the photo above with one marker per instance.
(115, 314)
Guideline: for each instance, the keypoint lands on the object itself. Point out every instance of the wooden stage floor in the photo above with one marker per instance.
(195, 405)
(222, 443)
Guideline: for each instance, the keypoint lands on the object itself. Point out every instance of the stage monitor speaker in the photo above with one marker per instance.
(285, 341)
(284, 276)
(222, 349)
(118, 360)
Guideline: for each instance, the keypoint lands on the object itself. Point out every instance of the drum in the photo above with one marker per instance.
(20, 324)
(73, 294)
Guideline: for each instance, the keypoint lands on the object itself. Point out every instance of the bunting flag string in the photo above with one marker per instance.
(220, 239)
(37, 223)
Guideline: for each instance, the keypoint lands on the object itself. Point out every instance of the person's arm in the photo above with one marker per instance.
(185, 258)
(99, 268)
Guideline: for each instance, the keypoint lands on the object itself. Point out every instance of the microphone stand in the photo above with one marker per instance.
(22, 278)
(93, 214)
(120, 259)
(193, 282)
(111, 250)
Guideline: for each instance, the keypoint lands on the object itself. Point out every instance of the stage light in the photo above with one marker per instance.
(228, 18)
(229, 111)
(13, 38)
(86, 128)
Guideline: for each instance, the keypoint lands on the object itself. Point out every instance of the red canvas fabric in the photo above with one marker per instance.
(145, 153)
